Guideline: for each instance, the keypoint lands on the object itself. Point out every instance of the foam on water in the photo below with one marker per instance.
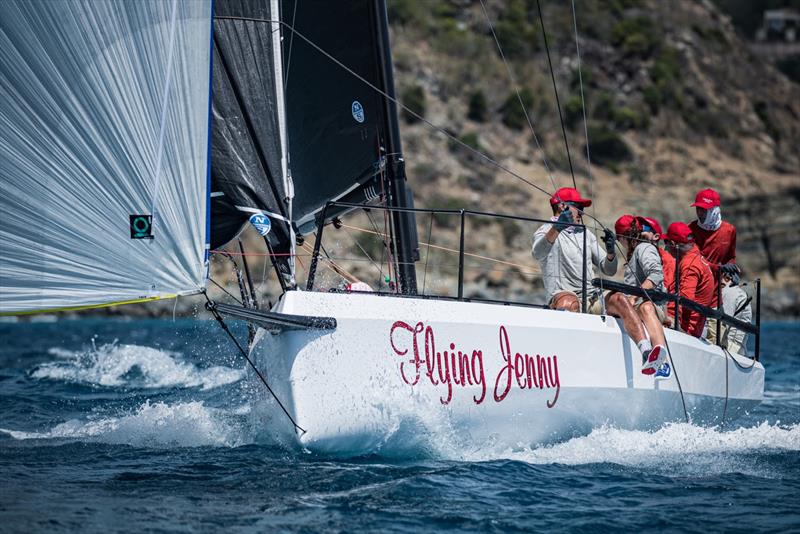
(160, 425)
(675, 449)
(113, 364)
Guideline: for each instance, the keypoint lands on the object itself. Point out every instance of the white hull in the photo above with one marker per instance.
(357, 388)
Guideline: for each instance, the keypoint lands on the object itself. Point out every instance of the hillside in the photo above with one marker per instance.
(676, 102)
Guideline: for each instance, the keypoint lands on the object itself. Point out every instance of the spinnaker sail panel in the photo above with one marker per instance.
(247, 152)
(334, 120)
(104, 111)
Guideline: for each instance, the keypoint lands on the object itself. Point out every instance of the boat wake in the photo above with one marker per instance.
(114, 365)
(674, 450)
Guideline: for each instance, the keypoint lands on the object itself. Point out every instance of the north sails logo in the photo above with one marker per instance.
(357, 110)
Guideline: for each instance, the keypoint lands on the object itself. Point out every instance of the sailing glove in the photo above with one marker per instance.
(564, 220)
(732, 271)
(609, 240)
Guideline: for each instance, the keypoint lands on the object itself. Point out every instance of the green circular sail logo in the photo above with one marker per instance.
(141, 226)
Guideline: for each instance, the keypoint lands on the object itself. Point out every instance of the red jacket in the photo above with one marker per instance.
(717, 246)
(668, 264)
(696, 283)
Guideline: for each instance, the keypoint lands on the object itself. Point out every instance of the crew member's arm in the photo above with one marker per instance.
(651, 264)
(541, 241)
(608, 263)
(732, 249)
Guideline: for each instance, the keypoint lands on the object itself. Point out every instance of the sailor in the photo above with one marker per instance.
(715, 238)
(653, 232)
(735, 303)
(558, 247)
(643, 269)
(696, 280)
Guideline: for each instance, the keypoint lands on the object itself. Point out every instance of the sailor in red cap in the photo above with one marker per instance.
(558, 247)
(696, 280)
(715, 238)
(652, 231)
(643, 269)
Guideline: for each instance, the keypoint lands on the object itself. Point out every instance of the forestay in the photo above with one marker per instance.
(104, 110)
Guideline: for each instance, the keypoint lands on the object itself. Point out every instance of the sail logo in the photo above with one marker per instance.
(261, 223)
(141, 226)
(357, 110)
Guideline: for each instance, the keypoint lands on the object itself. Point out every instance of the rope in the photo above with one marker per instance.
(478, 256)
(374, 263)
(225, 290)
(210, 306)
(333, 266)
(519, 97)
(555, 90)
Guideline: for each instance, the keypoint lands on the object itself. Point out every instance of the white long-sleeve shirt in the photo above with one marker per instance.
(733, 298)
(561, 261)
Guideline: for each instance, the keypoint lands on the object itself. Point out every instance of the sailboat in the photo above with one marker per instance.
(138, 136)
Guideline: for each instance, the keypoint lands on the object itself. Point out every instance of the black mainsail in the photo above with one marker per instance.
(340, 140)
(247, 148)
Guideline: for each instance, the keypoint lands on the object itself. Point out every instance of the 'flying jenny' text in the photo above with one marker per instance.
(457, 368)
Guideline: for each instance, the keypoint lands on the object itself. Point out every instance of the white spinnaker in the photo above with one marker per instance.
(87, 139)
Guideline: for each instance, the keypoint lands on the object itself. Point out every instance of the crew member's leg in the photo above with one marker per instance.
(619, 306)
(649, 315)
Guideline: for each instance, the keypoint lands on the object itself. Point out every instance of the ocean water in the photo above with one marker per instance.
(111, 425)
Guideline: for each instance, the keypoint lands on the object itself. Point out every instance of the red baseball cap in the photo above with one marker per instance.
(569, 194)
(624, 224)
(707, 198)
(652, 223)
(679, 232)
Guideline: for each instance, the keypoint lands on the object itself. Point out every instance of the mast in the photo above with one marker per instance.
(404, 222)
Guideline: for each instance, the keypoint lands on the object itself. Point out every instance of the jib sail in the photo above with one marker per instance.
(104, 111)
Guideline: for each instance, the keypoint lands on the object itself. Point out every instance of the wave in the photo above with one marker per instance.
(676, 449)
(113, 364)
(159, 425)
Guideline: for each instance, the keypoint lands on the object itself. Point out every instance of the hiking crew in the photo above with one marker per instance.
(558, 247)
(643, 268)
(651, 231)
(696, 279)
(715, 238)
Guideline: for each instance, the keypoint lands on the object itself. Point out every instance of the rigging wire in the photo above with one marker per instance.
(427, 256)
(225, 290)
(358, 244)
(555, 90)
(588, 155)
(211, 306)
(289, 53)
(485, 157)
(519, 97)
(446, 249)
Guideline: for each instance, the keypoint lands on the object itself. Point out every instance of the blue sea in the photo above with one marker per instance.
(148, 425)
